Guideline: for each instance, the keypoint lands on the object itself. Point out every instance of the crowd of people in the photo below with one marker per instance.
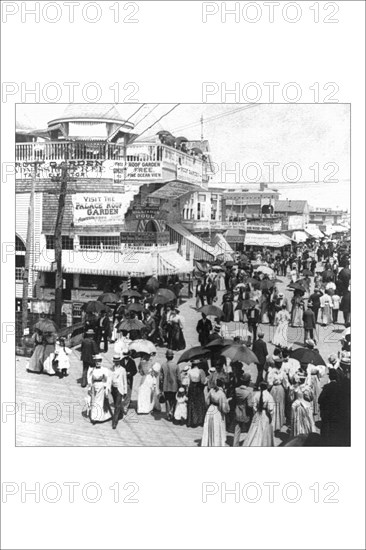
(210, 390)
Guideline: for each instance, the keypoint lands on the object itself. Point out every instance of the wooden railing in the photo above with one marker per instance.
(57, 151)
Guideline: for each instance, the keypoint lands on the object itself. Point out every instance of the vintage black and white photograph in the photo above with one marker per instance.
(183, 275)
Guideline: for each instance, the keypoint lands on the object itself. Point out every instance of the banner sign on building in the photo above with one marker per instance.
(145, 212)
(99, 208)
(190, 175)
(139, 170)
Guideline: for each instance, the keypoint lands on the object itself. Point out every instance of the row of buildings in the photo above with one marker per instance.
(134, 207)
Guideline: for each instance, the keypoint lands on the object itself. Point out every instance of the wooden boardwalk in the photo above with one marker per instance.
(51, 411)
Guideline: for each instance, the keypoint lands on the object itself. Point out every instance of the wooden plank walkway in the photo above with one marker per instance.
(51, 410)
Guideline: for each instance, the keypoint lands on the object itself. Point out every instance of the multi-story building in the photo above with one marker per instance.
(124, 198)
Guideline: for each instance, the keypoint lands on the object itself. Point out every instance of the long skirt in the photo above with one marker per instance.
(280, 335)
(278, 394)
(315, 386)
(296, 317)
(196, 407)
(36, 360)
(327, 318)
(176, 340)
(214, 432)
(260, 433)
(145, 395)
(99, 406)
(48, 357)
(228, 311)
(302, 421)
(238, 316)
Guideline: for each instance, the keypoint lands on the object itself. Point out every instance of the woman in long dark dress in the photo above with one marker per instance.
(196, 408)
(176, 340)
(228, 310)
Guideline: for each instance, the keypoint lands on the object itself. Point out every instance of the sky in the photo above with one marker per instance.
(245, 137)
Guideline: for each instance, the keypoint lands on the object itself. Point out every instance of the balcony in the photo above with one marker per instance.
(137, 159)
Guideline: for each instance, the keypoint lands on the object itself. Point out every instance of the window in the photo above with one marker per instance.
(67, 242)
(95, 282)
(19, 245)
(96, 241)
(202, 198)
(49, 280)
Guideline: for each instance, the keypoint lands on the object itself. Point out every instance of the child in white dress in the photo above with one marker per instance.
(180, 412)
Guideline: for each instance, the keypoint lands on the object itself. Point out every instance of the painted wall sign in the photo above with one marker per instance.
(99, 208)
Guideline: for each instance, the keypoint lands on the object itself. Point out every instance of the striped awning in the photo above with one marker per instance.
(272, 240)
(115, 264)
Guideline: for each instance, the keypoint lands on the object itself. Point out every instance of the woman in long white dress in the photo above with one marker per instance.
(214, 428)
(326, 305)
(99, 385)
(148, 382)
(260, 433)
(282, 320)
(302, 420)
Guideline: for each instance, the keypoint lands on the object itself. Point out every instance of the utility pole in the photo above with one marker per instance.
(58, 238)
(28, 246)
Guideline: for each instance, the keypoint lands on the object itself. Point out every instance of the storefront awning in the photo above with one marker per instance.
(300, 236)
(314, 231)
(117, 264)
(272, 240)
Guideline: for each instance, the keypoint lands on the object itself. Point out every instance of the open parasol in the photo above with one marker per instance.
(211, 310)
(163, 296)
(152, 284)
(220, 343)
(266, 284)
(142, 346)
(240, 353)
(265, 269)
(135, 307)
(193, 353)
(307, 355)
(108, 298)
(307, 272)
(131, 293)
(130, 324)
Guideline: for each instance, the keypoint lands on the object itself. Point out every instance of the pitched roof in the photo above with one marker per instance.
(91, 110)
(294, 207)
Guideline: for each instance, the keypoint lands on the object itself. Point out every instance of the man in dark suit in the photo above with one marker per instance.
(204, 327)
(88, 349)
(200, 294)
(130, 367)
(314, 298)
(253, 320)
(210, 292)
(104, 330)
(260, 349)
(243, 400)
(150, 327)
(308, 318)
